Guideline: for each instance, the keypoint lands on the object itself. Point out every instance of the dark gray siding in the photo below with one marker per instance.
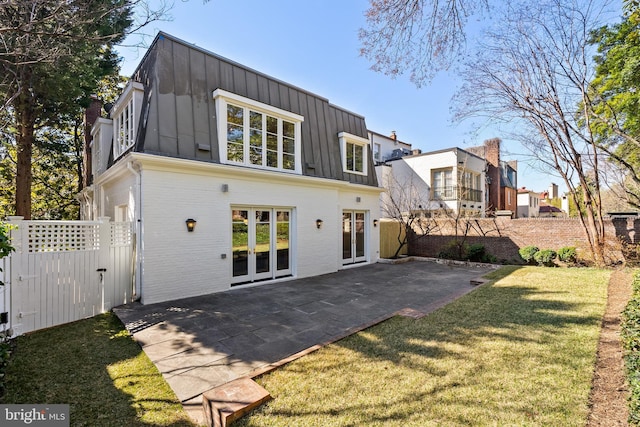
(179, 81)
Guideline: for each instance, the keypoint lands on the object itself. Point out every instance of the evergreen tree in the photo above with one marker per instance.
(53, 53)
(616, 98)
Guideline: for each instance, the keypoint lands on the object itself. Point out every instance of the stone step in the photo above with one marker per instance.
(225, 404)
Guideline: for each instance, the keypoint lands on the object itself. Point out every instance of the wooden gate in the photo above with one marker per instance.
(62, 271)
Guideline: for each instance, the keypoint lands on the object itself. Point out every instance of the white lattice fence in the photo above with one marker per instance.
(64, 271)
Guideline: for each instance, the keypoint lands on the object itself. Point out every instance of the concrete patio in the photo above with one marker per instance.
(203, 342)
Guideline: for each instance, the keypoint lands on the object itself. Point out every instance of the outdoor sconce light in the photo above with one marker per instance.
(319, 223)
(191, 224)
(375, 222)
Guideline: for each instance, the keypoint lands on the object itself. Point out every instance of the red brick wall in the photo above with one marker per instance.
(492, 155)
(509, 199)
(503, 237)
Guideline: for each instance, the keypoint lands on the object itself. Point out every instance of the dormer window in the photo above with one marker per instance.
(354, 153)
(258, 135)
(125, 114)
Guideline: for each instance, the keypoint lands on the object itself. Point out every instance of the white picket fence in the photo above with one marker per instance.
(63, 271)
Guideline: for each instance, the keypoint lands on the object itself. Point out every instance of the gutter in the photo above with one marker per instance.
(134, 168)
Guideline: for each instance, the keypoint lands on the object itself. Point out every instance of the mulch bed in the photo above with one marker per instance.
(609, 393)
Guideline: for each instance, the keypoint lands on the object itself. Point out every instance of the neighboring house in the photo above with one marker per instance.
(528, 203)
(502, 178)
(551, 197)
(386, 148)
(449, 180)
(274, 181)
(468, 182)
(549, 211)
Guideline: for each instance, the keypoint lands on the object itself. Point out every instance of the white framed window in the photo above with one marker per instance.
(376, 152)
(354, 153)
(442, 184)
(125, 114)
(258, 135)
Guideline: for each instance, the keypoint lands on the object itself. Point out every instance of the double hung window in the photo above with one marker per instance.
(257, 135)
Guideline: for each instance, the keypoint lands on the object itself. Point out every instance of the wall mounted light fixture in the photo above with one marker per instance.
(358, 199)
(319, 223)
(375, 222)
(224, 188)
(191, 224)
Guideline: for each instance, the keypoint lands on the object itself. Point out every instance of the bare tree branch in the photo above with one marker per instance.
(421, 37)
(534, 71)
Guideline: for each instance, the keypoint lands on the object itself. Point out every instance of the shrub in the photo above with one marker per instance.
(567, 254)
(449, 251)
(527, 253)
(491, 259)
(476, 252)
(463, 252)
(545, 257)
(630, 336)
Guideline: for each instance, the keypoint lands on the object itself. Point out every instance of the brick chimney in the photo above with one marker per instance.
(393, 135)
(492, 156)
(91, 114)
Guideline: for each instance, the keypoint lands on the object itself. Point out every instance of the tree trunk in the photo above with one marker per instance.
(25, 118)
(594, 228)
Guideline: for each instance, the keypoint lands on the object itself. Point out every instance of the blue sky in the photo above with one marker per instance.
(314, 45)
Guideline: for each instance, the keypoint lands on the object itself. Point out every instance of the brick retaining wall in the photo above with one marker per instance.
(503, 238)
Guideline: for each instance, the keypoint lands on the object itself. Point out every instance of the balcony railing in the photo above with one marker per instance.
(451, 193)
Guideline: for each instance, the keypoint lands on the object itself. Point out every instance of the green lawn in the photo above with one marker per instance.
(94, 366)
(519, 351)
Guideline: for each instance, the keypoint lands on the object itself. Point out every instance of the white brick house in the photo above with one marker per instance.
(280, 182)
(451, 179)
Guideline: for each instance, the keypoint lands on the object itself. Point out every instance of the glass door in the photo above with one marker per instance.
(261, 234)
(261, 244)
(240, 244)
(353, 237)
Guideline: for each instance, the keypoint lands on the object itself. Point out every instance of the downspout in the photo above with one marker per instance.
(134, 168)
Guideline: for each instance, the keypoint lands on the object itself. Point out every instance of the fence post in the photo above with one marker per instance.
(104, 246)
(18, 237)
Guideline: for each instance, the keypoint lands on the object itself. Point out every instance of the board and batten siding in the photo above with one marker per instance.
(180, 111)
(179, 264)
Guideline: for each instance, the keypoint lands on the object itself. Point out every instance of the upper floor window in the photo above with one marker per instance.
(354, 153)
(125, 114)
(376, 152)
(442, 184)
(255, 134)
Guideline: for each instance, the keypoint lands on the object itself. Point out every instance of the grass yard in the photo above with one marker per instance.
(519, 351)
(94, 366)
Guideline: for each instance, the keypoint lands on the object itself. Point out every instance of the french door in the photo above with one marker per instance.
(353, 237)
(261, 239)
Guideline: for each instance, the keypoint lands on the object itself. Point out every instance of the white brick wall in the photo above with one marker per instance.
(178, 264)
(117, 193)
